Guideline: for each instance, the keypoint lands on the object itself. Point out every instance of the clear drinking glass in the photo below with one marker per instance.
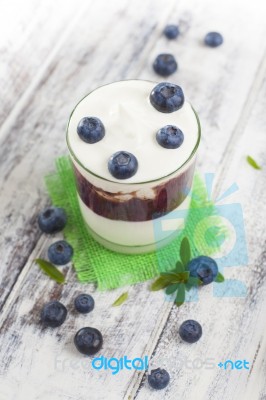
(120, 215)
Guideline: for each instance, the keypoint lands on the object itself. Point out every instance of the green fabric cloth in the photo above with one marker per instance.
(94, 263)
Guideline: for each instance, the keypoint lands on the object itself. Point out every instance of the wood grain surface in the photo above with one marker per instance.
(53, 53)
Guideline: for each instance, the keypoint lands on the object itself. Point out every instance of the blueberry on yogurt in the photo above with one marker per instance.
(213, 39)
(122, 165)
(90, 129)
(167, 97)
(158, 378)
(165, 64)
(170, 137)
(60, 252)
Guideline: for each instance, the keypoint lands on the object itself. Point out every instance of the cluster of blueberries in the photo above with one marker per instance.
(206, 270)
(87, 340)
(165, 64)
(53, 220)
(166, 98)
(202, 267)
(190, 331)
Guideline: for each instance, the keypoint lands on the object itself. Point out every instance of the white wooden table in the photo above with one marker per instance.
(52, 54)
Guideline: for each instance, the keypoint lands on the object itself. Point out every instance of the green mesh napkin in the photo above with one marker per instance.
(94, 263)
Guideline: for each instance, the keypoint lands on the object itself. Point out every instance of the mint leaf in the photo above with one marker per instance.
(171, 288)
(169, 275)
(253, 163)
(181, 295)
(50, 270)
(182, 277)
(185, 253)
(194, 281)
(179, 267)
(219, 278)
(175, 277)
(121, 299)
(160, 283)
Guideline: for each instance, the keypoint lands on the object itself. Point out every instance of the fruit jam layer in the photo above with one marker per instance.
(166, 197)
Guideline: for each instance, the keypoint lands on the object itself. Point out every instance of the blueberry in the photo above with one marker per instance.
(90, 129)
(158, 378)
(190, 331)
(170, 137)
(60, 252)
(213, 39)
(167, 97)
(165, 64)
(88, 341)
(52, 219)
(53, 314)
(84, 303)
(122, 165)
(171, 31)
(203, 267)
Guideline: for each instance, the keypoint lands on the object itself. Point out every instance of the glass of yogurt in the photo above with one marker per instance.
(133, 146)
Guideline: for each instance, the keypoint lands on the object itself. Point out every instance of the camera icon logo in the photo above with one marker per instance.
(214, 228)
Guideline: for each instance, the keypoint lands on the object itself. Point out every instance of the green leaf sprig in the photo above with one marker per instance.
(253, 163)
(121, 299)
(50, 270)
(179, 280)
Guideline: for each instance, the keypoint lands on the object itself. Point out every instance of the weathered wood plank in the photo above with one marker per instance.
(233, 328)
(54, 352)
(41, 124)
(30, 33)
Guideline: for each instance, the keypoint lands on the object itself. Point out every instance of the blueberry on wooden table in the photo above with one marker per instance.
(158, 378)
(203, 267)
(213, 39)
(60, 252)
(53, 314)
(171, 31)
(52, 219)
(170, 137)
(84, 303)
(167, 97)
(88, 341)
(122, 165)
(90, 129)
(165, 64)
(190, 331)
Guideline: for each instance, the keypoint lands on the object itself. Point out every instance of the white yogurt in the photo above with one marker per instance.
(131, 124)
